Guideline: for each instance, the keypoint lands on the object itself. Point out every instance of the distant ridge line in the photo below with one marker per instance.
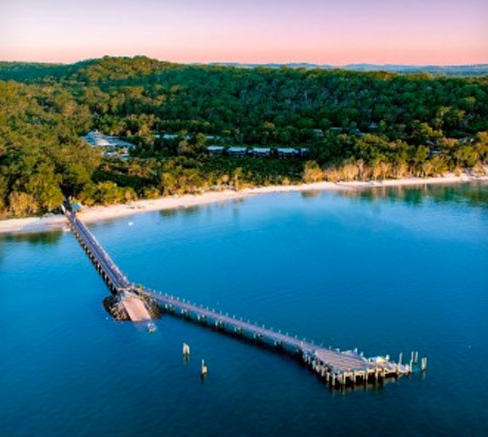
(474, 70)
(467, 69)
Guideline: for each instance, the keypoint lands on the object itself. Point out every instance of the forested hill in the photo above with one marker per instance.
(357, 125)
(34, 71)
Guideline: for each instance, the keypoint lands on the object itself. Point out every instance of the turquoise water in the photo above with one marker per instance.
(385, 271)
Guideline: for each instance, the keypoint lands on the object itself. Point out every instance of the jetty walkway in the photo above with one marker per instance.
(337, 368)
(116, 281)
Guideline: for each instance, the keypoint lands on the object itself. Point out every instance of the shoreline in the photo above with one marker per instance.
(96, 213)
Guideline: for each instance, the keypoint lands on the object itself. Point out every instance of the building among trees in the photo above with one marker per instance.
(113, 146)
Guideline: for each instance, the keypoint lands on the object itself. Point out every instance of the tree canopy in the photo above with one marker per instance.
(357, 125)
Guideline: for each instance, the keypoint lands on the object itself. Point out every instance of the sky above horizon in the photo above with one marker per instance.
(338, 32)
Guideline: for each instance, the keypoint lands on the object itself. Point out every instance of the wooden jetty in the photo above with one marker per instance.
(337, 368)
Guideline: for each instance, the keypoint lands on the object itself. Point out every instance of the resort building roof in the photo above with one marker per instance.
(287, 150)
(215, 149)
(237, 149)
(261, 150)
(97, 139)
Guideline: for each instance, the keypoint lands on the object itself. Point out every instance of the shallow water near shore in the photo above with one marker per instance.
(386, 270)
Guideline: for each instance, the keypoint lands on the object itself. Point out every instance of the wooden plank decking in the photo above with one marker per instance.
(135, 308)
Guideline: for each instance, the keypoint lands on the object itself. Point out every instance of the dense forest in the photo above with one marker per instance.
(356, 125)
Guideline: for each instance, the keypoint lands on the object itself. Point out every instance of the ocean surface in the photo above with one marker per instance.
(384, 270)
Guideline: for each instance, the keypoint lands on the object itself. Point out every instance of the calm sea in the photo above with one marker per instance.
(386, 271)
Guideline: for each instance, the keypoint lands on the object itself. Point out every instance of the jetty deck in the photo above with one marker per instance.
(338, 368)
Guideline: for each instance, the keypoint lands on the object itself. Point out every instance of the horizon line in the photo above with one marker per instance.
(248, 63)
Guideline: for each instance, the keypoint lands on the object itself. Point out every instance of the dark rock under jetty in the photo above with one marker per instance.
(115, 308)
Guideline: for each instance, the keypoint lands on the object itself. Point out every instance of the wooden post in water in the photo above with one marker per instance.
(423, 366)
(416, 357)
(186, 350)
(400, 358)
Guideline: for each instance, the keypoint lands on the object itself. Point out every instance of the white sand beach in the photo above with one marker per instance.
(49, 222)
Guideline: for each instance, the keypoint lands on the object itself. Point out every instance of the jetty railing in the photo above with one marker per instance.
(338, 368)
(110, 272)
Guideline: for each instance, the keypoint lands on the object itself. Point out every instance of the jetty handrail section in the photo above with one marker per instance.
(98, 254)
(188, 308)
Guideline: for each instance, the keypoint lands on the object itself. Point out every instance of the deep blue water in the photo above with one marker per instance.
(385, 271)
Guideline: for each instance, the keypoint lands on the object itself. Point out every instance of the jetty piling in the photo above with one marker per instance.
(186, 350)
(423, 366)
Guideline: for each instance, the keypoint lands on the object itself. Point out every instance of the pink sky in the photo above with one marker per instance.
(319, 31)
